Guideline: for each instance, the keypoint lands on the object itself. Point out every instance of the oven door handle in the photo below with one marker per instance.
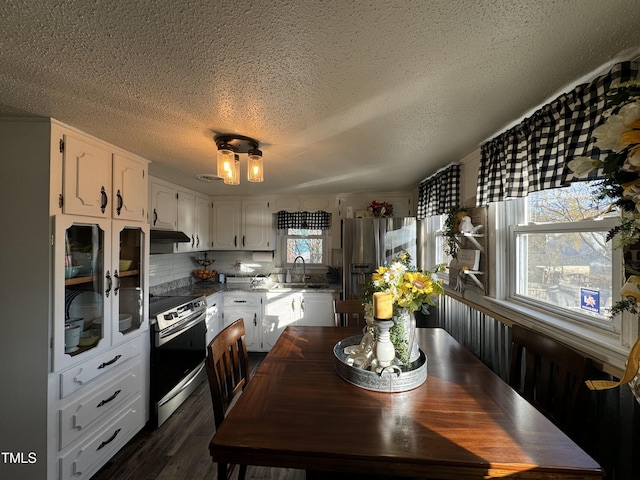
(194, 376)
(162, 339)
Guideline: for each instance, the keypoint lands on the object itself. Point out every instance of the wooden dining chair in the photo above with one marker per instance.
(551, 376)
(349, 313)
(228, 374)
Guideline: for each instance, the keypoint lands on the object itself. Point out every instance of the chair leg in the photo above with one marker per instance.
(222, 471)
(243, 472)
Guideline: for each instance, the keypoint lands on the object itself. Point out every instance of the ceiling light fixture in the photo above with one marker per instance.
(228, 160)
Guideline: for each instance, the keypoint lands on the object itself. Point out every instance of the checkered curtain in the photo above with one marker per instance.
(319, 220)
(533, 155)
(440, 192)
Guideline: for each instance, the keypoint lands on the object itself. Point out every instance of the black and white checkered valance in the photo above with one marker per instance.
(440, 192)
(319, 220)
(534, 154)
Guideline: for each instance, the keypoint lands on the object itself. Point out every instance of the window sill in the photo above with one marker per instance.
(602, 346)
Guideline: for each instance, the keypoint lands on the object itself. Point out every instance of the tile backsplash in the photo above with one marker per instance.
(174, 270)
(172, 267)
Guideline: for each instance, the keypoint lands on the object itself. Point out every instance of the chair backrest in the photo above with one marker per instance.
(227, 368)
(550, 376)
(349, 313)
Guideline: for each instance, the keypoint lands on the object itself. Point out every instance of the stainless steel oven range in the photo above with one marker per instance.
(178, 350)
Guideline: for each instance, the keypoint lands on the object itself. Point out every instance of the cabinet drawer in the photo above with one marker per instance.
(80, 375)
(240, 300)
(86, 458)
(78, 417)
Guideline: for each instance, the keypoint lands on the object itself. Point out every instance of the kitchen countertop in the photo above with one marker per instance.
(207, 289)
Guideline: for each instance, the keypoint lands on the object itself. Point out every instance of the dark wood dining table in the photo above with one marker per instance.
(463, 422)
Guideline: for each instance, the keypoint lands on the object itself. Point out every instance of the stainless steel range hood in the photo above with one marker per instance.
(168, 236)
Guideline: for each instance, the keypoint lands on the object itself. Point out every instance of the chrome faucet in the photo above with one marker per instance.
(304, 269)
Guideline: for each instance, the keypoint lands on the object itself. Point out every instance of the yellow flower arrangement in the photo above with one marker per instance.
(411, 288)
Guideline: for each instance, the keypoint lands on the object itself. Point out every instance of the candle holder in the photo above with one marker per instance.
(384, 349)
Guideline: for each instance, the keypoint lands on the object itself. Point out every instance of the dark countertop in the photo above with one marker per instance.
(206, 289)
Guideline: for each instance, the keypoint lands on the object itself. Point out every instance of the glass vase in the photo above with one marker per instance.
(406, 335)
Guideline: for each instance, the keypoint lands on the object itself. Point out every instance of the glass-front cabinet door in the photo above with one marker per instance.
(100, 285)
(129, 246)
(82, 288)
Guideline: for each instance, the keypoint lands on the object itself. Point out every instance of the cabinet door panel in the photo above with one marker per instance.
(251, 325)
(257, 228)
(280, 312)
(86, 178)
(129, 188)
(164, 207)
(83, 288)
(186, 220)
(225, 234)
(317, 310)
(202, 223)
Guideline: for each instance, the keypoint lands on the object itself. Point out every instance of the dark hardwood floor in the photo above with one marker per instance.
(179, 449)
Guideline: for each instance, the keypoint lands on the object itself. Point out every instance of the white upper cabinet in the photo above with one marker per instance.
(193, 219)
(257, 226)
(226, 228)
(186, 220)
(97, 182)
(129, 188)
(86, 183)
(163, 206)
(177, 208)
(242, 225)
(202, 222)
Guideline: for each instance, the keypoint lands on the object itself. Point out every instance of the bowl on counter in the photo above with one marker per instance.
(70, 272)
(125, 265)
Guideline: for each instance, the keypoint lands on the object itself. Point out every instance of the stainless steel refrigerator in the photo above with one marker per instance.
(368, 243)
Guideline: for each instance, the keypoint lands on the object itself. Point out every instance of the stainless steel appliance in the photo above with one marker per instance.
(368, 243)
(178, 350)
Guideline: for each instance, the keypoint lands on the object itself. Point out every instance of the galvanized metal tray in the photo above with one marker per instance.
(392, 380)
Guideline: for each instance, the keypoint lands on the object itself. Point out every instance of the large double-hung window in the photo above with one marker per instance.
(559, 258)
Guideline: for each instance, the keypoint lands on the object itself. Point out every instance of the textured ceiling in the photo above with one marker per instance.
(343, 95)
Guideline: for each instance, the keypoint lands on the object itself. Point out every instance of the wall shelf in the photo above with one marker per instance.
(472, 275)
(472, 237)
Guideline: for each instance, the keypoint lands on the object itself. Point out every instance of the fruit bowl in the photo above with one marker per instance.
(204, 274)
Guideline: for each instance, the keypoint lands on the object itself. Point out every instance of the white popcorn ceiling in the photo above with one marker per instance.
(343, 95)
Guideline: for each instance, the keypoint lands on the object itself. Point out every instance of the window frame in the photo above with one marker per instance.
(511, 294)
(324, 236)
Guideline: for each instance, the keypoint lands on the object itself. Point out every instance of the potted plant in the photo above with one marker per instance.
(452, 228)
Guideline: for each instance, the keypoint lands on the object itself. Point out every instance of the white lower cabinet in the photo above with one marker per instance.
(99, 406)
(90, 409)
(281, 310)
(317, 310)
(248, 306)
(213, 317)
(267, 315)
(84, 459)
